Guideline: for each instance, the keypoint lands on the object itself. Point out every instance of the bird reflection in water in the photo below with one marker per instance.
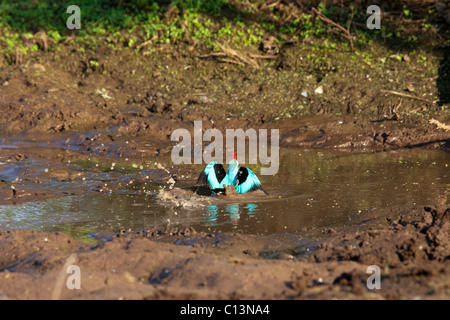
(212, 212)
(251, 209)
(233, 211)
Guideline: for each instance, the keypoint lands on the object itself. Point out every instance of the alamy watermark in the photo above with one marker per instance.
(374, 21)
(74, 21)
(74, 280)
(258, 148)
(374, 281)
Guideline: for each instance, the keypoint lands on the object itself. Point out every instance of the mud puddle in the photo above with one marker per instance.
(312, 189)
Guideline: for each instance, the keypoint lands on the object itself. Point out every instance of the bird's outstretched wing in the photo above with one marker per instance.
(213, 175)
(247, 181)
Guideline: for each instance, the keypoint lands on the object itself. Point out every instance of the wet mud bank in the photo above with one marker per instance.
(412, 251)
(323, 260)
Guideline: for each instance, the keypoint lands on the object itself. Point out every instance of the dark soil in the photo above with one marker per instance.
(124, 107)
(150, 97)
(412, 252)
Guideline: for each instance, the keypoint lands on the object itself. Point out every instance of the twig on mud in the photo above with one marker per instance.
(352, 15)
(149, 41)
(405, 95)
(257, 56)
(233, 54)
(344, 32)
(395, 109)
(440, 125)
(213, 54)
(43, 37)
(18, 57)
(266, 6)
(69, 39)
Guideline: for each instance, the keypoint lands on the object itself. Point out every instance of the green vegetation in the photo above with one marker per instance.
(127, 23)
(241, 23)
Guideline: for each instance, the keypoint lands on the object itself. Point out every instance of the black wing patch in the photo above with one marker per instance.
(202, 179)
(258, 187)
(242, 175)
(220, 172)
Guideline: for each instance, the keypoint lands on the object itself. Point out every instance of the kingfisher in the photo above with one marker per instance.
(242, 179)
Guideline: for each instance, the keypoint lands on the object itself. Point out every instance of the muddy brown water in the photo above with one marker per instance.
(312, 189)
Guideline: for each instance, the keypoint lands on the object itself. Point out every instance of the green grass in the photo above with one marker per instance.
(127, 24)
(115, 22)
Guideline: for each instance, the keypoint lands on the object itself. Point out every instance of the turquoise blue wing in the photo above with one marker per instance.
(213, 175)
(247, 181)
